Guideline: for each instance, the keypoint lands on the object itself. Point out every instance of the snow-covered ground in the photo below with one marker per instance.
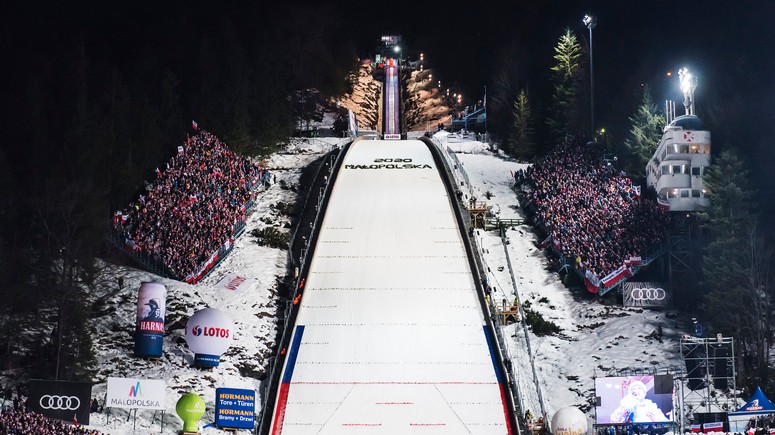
(252, 308)
(594, 337)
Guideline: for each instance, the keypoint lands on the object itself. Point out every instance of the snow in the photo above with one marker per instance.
(594, 338)
(389, 331)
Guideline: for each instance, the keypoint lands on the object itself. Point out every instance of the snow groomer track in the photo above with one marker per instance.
(390, 337)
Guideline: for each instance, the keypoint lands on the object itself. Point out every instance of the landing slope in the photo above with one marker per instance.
(390, 335)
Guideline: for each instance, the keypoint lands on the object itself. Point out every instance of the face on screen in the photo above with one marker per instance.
(633, 400)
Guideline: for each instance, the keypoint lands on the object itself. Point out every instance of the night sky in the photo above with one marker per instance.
(727, 44)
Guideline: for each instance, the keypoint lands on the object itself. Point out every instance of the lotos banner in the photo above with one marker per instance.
(135, 393)
(235, 408)
(149, 332)
(646, 294)
(61, 400)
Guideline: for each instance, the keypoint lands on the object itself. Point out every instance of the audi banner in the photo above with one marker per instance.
(646, 294)
(62, 400)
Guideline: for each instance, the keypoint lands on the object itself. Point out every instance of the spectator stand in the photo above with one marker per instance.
(193, 212)
(595, 222)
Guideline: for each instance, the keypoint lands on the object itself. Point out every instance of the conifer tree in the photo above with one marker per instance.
(737, 264)
(645, 133)
(523, 144)
(564, 116)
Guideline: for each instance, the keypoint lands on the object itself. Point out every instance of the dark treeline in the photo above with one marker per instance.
(95, 96)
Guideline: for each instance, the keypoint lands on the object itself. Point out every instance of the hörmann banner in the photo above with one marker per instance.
(135, 393)
(646, 294)
(235, 408)
(62, 400)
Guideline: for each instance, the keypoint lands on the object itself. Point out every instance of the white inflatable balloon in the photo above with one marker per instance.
(209, 333)
(569, 421)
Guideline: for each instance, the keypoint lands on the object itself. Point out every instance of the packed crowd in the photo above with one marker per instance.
(17, 422)
(590, 210)
(191, 208)
(761, 423)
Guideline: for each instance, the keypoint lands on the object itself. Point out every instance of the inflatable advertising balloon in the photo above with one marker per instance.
(149, 330)
(208, 334)
(190, 409)
(569, 421)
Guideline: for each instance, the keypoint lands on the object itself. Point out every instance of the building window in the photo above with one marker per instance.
(684, 193)
(695, 170)
(695, 193)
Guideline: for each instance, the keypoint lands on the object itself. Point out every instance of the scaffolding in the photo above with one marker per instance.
(710, 374)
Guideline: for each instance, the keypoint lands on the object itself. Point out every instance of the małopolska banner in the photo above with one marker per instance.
(149, 332)
(235, 408)
(62, 400)
(646, 294)
(135, 393)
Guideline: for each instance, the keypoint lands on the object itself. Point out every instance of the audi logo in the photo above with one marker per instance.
(648, 294)
(60, 403)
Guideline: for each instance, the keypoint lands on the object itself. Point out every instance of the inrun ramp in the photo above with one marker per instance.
(392, 103)
(390, 337)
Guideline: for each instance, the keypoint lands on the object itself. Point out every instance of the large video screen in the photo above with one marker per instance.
(634, 399)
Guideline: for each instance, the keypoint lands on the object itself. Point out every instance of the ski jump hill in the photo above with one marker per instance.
(390, 335)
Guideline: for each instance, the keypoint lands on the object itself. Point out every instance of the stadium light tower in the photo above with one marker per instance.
(591, 21)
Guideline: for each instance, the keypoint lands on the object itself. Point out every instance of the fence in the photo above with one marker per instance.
(275, 364)
(519, 388)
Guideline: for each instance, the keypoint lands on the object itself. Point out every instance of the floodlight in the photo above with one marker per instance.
(590, 21)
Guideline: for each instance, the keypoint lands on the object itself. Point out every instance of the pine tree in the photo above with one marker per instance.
(564, 112)
(644, 135)
(737, 264)
(523, 144)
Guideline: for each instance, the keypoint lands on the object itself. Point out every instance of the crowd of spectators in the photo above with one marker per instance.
(761, 423)
(591, 211)
(191, 208)
(18, 422)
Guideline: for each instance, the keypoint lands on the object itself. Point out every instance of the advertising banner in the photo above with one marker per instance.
(236, 283)
(634, 399)
(235, 408)
(135, 393)
(646, 294)
(61, 400)
(149, 331)
(209, 333)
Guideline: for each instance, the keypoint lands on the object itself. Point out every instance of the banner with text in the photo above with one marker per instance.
(135, 393)
(236, 283)
(646, 294)
(235, 408)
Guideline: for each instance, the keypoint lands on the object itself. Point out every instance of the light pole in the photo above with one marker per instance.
(591, 22)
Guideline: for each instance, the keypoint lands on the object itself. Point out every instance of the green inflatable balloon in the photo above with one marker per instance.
(190, 409)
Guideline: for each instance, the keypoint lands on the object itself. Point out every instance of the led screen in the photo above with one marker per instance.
(634, 399)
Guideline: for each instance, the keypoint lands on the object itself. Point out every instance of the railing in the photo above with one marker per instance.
(517, 392)
(275, 364)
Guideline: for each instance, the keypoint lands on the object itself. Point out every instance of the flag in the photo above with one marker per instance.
(194, 125)
(75, 419)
